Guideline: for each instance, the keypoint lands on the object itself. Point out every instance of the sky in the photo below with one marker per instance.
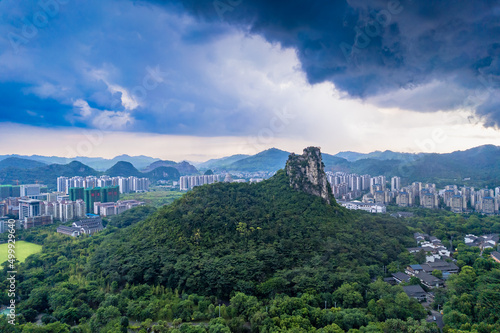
(194, 79)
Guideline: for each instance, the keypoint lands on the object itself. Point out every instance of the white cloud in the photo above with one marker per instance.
(128, 101)
(104, 120)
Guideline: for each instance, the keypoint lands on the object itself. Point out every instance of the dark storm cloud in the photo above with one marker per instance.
(372, 48)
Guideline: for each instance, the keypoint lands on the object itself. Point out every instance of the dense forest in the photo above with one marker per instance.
(248, 258)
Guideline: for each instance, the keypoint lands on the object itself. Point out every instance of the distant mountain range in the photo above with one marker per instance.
(183, 167)
(20, 163)
(97, 163)
(478, 166)
(47, 174)
(352, 156)
(221, 163)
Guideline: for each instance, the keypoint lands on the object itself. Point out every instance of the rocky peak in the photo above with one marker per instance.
(307, 174)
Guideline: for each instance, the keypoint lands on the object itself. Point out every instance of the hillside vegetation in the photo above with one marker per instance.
(260, 239)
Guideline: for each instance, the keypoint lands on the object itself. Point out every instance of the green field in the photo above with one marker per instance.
(23, 250)
(154, 198)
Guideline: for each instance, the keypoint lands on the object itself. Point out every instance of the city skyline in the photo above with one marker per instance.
(212, 79)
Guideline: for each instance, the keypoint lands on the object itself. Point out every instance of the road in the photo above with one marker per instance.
(439, 319)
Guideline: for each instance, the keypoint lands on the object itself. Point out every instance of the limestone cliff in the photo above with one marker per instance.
(307, 174)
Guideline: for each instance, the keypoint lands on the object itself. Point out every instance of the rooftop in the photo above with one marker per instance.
(401, 276)
(414, 291)
(429, 279)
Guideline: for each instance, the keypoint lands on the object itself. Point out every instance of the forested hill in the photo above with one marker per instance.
(260, 238)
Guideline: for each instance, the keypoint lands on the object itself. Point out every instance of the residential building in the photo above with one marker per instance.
(115, 208)
(484, 242)
(367, 207)
(37, 221)
(428, 280)
(445, 267)
(496, 256)
(404, 199)
(428, 200)
(400, 277)
(412, 270)
(188, 182)
(100, 194)
(76, 193)
(456, 204)
(395, 184)
(416, 292)
(61, 184)
(7, 191)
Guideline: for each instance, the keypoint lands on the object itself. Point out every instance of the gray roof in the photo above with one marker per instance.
(401, 276)
(67, 229)
(414, 291)
(440, 265)
(429, 279)
(90, 222)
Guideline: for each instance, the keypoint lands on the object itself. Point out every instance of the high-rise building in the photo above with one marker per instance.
(52, 197)
(488, 205)
(29, 208)
(8, 191)
(37, 221)
(428, 199)
(365, 182)
(124, 185)
(110, 194)
(3, 209)
(456, 204)
(91, 195)
(381, 197)
(100, 194)
(404, 199)
(61, 184)
(395, 183)
(29, 190)
(188, 182)
(76, 193)
(448, 194)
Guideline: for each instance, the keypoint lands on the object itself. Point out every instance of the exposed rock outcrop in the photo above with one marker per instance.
(307, 174)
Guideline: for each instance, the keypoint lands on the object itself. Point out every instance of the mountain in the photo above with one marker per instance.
(184, 168)
(20, 163)
(139, 162)
(390, 155)
(123, 169)
(166, 173)
(46, 174)
(306, 173)
(97, 163)
(332, 161)
(126, 169)
(221, 163)
(378, 155)
(262, 239)
(350, 156)
(39, 158)
(480, 164)
(268, 160)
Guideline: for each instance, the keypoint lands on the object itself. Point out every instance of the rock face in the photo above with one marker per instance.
(307, 174)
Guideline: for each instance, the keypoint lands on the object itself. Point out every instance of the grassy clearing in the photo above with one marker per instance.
(23, 250)
(154, 198)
